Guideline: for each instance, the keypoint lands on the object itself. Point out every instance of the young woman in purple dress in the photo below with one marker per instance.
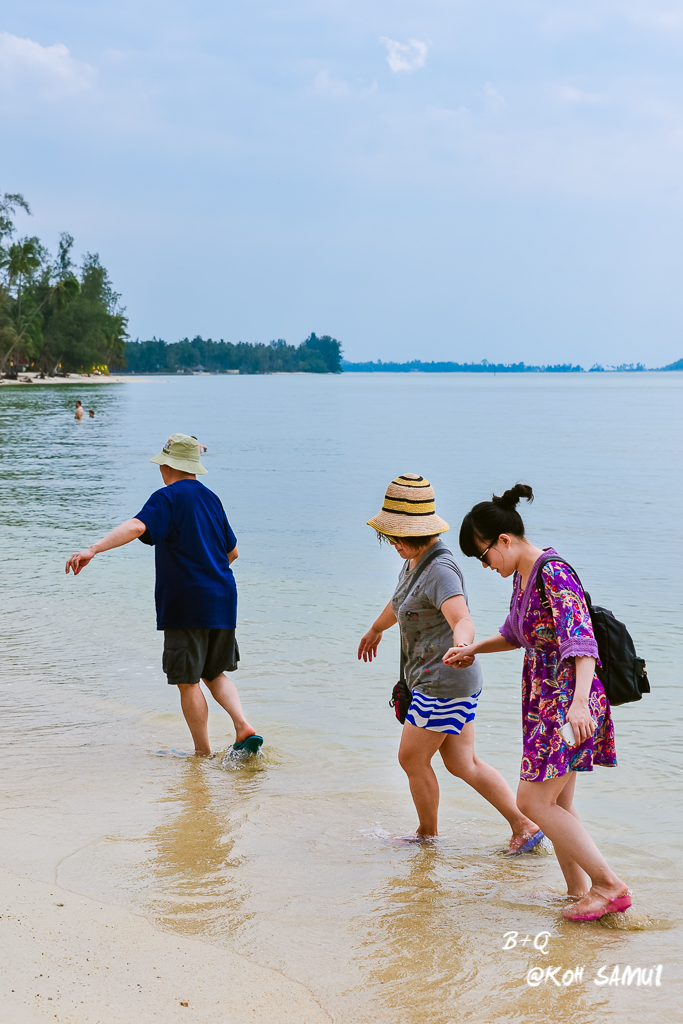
(559, 685)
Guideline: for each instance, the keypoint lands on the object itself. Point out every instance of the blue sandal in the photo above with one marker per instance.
(528, 845)
(251, 745)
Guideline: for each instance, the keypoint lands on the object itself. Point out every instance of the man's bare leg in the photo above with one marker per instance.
(196, 712)
(224, 692)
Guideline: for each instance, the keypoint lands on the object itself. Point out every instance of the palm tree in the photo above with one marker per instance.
(20, 261)
(9, 203)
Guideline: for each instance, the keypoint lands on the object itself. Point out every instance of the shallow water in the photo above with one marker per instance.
(287, 857)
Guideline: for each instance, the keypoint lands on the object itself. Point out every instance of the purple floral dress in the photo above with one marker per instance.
(553, 638)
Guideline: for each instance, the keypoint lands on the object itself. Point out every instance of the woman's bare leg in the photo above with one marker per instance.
(574, 847)
(578, 882)
(415, 754)
(461, 760)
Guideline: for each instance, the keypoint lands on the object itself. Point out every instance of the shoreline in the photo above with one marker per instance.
(81, 961)
(30, 379)
(75, 378)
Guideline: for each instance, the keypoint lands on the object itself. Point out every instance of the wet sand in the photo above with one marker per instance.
(76, 960)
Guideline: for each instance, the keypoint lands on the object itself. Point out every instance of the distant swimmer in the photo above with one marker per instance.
(91, 414)
(79, 411)
(196, 595)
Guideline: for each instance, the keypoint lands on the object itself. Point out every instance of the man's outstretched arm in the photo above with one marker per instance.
(123, 534)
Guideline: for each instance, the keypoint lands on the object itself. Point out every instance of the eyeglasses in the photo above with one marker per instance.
(483, 555)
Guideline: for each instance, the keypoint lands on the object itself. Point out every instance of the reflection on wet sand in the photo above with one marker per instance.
(434, 951)
(183, 872)
(415, 955)
(196, 886)
(425, 960)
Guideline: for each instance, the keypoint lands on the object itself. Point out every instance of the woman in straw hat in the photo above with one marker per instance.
(430, 605)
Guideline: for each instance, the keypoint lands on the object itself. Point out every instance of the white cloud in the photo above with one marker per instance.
(326, 85)
(548, 153)
(49, 70)
(495, 101)
(568, 94)
(658, 19)
(405, 56)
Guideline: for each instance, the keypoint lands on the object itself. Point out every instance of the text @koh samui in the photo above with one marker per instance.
(608, 974)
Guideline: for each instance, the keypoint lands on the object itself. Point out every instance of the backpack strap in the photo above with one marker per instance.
(434, 553)
(428, 560)
(540, 585)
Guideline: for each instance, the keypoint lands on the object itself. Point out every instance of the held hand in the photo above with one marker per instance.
(79, 561)
(583, 725)
(461, 656)
(367, 648)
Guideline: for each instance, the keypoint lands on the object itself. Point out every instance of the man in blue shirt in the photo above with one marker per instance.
(195, 593)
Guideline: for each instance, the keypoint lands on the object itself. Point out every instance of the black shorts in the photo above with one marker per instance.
(194, 654)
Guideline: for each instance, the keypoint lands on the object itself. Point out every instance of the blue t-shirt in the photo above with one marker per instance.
(195, 587)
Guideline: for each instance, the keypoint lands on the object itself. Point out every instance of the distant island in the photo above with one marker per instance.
(314, 355)
(57, 318)
(317, 354)
(417, 366)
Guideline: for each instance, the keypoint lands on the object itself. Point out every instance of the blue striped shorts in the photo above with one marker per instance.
(440, 715)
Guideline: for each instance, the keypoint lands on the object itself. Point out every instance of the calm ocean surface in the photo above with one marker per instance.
(286, 858)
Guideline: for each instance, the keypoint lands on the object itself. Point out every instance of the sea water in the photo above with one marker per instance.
(288, 857)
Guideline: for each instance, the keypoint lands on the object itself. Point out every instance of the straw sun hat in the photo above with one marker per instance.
(181, 452)
(408, 509)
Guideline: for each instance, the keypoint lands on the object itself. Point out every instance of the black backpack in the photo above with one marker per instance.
(622, 674)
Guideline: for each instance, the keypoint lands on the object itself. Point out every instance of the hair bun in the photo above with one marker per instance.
(510, 499)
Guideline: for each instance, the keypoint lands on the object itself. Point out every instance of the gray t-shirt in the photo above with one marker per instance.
(425, 632)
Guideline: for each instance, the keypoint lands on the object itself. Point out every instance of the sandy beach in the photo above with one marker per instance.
(71, 378)
(76, 960)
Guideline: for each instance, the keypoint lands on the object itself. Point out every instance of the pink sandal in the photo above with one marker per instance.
(587, 910)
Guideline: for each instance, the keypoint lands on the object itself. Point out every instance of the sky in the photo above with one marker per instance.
(442, 179)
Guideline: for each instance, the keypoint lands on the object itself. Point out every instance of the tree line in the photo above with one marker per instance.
(54, 316)
(416, 365)
(314, 355)
(58, 318)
